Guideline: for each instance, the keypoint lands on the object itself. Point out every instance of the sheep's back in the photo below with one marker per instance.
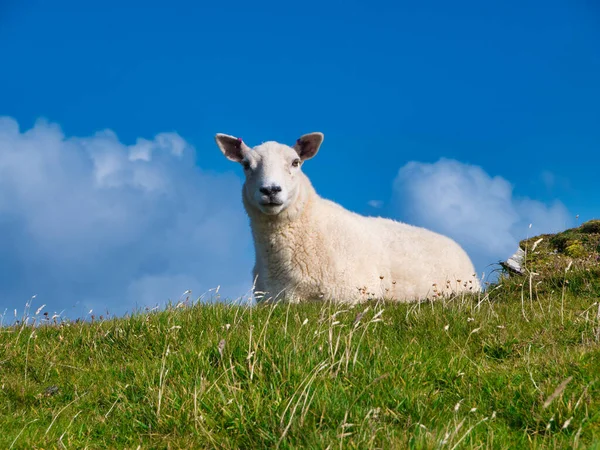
(390, 257)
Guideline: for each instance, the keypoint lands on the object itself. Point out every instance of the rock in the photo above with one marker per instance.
(515, 262)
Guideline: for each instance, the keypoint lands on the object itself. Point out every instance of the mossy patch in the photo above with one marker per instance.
(548, 256)
(591, 227)
(575, 249)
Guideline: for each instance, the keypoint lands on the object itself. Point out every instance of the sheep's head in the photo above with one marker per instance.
(272, 169)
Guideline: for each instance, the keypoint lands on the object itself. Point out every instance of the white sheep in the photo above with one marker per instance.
(310, 248)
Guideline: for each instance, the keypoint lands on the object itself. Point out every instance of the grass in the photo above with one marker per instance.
(517, 367)
(548, 255)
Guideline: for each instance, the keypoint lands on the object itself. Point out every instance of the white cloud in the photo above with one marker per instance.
(478, 210)
(99, 224)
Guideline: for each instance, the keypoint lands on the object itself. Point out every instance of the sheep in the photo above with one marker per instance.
(309, 248)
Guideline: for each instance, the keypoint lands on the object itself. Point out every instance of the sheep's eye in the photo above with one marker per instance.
(246, 165)
(296, 163)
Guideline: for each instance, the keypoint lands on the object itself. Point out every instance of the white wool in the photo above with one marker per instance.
(310, 248)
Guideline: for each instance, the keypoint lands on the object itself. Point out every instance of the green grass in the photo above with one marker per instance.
(548, 255)
(512, 369)
(517, 367)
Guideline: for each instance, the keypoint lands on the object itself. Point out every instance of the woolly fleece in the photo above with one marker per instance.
(314, 249)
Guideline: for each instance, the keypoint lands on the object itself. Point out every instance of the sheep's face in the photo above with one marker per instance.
(271, 169)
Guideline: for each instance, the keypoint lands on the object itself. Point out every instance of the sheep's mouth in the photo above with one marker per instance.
(272, 203)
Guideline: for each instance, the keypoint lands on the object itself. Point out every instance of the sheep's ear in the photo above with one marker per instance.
(233, 148)
(308, 145)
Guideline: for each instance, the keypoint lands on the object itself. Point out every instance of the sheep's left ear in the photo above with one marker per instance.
(308, 145)
(232, 147)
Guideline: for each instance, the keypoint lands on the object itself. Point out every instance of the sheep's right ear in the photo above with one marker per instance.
(308, 145)
(233, 148)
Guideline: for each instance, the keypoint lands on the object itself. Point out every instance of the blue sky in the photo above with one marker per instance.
(472, 118)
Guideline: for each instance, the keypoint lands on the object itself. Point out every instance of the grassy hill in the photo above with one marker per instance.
(516, 367)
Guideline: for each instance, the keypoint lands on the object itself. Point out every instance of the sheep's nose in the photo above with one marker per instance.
(270, 190)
